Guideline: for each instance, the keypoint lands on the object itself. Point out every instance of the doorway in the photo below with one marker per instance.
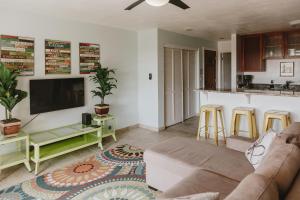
(210, 70)
(225, 70)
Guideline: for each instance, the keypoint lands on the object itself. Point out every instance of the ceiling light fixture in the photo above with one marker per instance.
(157, 2)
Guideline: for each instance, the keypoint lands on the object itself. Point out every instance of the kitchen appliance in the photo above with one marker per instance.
(244, 81)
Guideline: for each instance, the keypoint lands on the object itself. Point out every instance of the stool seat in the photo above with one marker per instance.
(277, 112)
(244, 109)
(212, 106)
(271, 115)
(236, 118)
(215, 110)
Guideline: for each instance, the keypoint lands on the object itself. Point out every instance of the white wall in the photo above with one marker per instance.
(233, 61)
(118, 50)
(223, 47)
(273, 72)
(148, 89)
(151, 60)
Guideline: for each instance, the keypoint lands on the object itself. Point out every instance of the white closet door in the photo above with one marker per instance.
(180, 82)
(169, 95)
(185, 62)
(177, 82)
(192, 83)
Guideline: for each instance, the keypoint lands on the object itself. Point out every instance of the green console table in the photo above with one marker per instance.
(59, 141)
(20, 155)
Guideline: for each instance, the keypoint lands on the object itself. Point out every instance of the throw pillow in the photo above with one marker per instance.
(259, 148)
(200, 196)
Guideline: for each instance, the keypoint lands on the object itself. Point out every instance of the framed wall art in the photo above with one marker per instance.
(57, 57)
(89, 56)
(287, 69)
(17, 53)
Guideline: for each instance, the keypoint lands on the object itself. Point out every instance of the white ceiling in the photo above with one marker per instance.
(210, 19)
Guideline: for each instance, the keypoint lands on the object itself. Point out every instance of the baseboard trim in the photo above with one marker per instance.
(127, 128)
(151, 128)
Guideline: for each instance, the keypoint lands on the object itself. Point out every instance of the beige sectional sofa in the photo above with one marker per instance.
(182, 166)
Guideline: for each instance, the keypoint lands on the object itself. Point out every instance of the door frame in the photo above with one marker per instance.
(198, 78)
(220, 68)
(203, 65)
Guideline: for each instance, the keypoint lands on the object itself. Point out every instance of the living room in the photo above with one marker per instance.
(101, 99)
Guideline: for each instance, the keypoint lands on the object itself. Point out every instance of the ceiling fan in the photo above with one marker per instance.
(178, 3)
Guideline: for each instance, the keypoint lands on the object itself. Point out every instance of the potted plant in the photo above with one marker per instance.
(105, 81)
(9, 98)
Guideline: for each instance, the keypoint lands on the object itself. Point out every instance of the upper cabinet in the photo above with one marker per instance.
(273, 46)
(251, 53)
(293, 44)
(253, 50)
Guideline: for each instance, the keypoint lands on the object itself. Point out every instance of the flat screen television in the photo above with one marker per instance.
(55, 94)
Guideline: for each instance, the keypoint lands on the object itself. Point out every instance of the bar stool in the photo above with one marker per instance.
(236, 120)
(271, 115)
(214, 110)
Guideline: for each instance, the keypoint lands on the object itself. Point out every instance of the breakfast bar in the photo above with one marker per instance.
(260, 100)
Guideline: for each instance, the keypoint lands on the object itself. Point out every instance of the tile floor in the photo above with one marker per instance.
(137, 137)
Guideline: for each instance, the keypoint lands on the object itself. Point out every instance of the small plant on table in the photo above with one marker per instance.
(105, 81)
(9, 98)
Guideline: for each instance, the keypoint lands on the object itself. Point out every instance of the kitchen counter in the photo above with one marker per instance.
(261, 100)
(287, 93)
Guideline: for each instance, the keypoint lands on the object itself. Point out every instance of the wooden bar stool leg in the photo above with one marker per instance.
(207, 117)
(290, 119)
(250, 126)
(254, 126)
(233, 119)
(199, 126)
(222, 124)
(265, 128)
(237, 124)
(270, 124)
(215, 124)
(284, 122)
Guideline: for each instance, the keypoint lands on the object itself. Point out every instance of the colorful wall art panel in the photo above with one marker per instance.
(89, 55)
(17, 53)
(57, 57)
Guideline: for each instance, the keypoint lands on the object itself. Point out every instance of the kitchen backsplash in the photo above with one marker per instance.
(273, 73)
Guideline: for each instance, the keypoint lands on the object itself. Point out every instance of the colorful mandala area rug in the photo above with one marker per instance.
(115, 174)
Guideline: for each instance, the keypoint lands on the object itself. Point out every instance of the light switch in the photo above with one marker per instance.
(150, 76)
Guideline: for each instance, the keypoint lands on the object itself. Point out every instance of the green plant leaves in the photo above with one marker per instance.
(9, 95)
(105, 82)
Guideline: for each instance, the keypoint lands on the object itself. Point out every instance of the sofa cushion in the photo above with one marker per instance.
(177, 158)
(294, 139)
(184, 150)
(229, 163)
(255, 187)
(294, 192)
(281, 163)
(200, 196)
(202, 181)
(294, 128)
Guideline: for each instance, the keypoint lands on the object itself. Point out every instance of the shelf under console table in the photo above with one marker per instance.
(59, 141)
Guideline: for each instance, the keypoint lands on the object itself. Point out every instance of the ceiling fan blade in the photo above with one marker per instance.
(179, 3)
(134, 4)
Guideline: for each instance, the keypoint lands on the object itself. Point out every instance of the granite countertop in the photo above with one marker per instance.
(287, 93)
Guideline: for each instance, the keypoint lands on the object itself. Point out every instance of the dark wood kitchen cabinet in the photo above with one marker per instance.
(251, 53)
(273, 45)
(292, 44)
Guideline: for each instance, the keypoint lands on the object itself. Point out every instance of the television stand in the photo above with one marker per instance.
(59, 141)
